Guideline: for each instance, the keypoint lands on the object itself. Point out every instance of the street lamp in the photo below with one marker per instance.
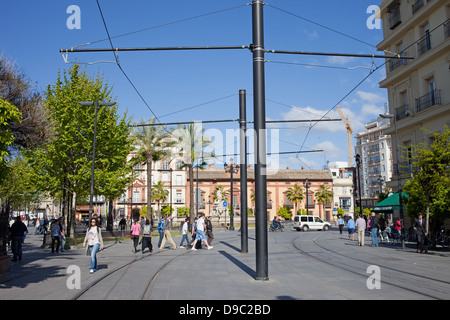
(307, 184)
(96, 103)
(380, 182)
(232, 168)
(390, 116)
(358, 164)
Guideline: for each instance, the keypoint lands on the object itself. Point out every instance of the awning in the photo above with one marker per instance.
(390, 204)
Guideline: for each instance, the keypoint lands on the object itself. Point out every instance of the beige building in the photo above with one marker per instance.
(418, 89)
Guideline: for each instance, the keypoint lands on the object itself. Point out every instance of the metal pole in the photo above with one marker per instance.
(91, 200)
(262, 270)
(231, 199)
(243, 165)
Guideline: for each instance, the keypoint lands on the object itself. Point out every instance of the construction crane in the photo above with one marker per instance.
(349, 135)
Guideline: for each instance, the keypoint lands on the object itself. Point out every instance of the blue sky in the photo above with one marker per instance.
(172, 81)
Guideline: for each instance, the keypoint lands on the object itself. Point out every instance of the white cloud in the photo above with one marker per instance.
(339, 60)
(329, 147)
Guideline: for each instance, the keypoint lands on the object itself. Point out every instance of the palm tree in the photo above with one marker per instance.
(192, 141)
(160, 194)
(324, 195)
(296, 195)
(154, 143)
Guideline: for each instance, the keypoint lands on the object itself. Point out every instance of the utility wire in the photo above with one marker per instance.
(161, 25)
(120, 67)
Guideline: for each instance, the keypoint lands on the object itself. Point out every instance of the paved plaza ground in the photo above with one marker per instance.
(313, 265)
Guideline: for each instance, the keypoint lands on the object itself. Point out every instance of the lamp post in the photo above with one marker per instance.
(391, 116)
(232, 168)
(96, 103)
(307, 184)
(358, 164)
(380, 182)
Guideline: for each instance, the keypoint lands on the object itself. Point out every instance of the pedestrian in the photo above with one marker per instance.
(201, 226)
(361, 227)
(351, 228)
(147, 236)
(184, 232)
(161, 230)
(63, 233)
(419, 228)
(56, 235)
(374, 225)
(17, 231)
(194, 230)
(209, 230)
(167, 234)
(94, 242)
(135, 233)
(122, 226)
(340, 224)
(37, 226)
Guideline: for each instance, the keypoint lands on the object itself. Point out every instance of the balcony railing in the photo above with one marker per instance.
(427, 101)
(405, 168)
(394, 15)
(395, 63)
(424, 44)
(402, 112)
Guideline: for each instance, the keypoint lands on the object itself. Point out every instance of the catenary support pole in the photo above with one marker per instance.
(262, 269)
(243, 166)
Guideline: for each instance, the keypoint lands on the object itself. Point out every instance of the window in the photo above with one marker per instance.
(179, 180)
(165, 165)
(136, 196)
(179, 198)
(165, 176)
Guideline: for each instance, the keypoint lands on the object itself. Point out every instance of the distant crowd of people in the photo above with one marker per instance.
(378, 227)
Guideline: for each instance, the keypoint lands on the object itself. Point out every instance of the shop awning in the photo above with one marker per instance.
(389, 204)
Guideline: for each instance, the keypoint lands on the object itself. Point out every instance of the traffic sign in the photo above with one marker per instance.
(225, 203)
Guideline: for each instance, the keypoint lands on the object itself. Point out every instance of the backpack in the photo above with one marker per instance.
(161, 225)
(147, 229)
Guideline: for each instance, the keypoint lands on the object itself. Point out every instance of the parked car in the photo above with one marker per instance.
(306, 223)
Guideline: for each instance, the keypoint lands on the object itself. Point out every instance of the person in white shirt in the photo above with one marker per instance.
(94, 241)
(201, 226)
(184, 232)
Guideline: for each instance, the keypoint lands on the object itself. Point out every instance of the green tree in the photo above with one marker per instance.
(154, 144)
(296, 195)
(160, 194)
(65, 162)
(192, 141)
(324, 196)
(284, 212)
(429, 189)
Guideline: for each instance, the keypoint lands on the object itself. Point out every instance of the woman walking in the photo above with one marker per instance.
(147, 236)
(184, 231)
(135, 232)
(94, 242)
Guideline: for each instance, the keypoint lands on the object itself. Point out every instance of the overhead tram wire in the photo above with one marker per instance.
(120, 67)
(161, 25)
(365, 78)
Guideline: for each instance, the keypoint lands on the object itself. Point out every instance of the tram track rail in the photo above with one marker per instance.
(357, 270)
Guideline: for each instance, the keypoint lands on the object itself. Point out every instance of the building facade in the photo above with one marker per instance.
(343, 186)
(277, 185)
(375, 149)
(418, 89)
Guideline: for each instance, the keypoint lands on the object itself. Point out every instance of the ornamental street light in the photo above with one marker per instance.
(96, 103)
(307, 184)
(232, 169)
(358, 164)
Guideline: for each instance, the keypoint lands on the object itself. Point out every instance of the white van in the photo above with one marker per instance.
(306, 223)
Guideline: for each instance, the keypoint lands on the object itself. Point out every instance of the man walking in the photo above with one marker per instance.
(419, 228)
(18, 230)
(340, 224)
(361, 227)
(351, 228)
(374, 225)
(201, 226)
(167, 234)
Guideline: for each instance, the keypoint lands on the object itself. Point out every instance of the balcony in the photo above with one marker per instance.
(427, 101)
(405, 167)
(424, 44)
(402, 112)
(417, 6)
(395, 63)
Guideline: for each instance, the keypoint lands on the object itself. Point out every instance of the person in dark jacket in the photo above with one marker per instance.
(17, 231)
(374, 226)
(419, 228)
